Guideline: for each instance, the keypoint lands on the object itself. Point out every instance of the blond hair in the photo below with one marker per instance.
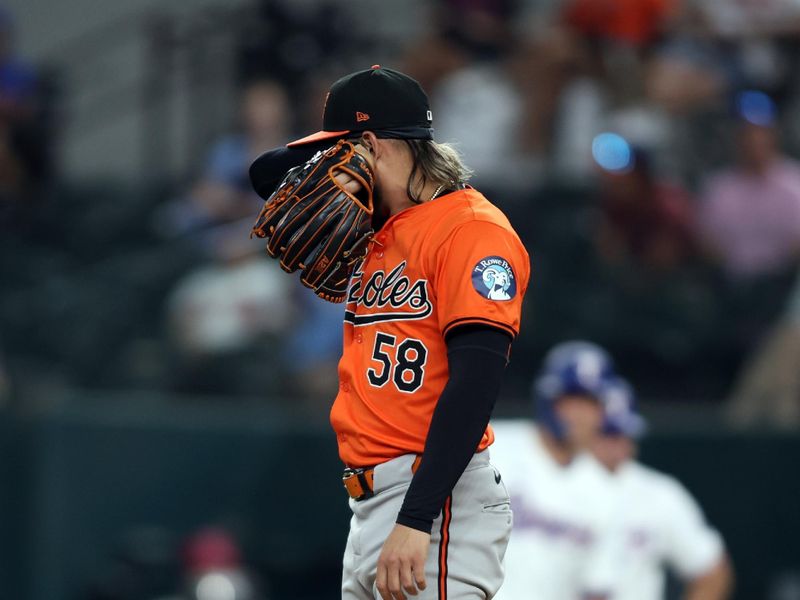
(436, 163)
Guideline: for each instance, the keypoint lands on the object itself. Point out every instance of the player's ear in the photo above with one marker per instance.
(370, 141)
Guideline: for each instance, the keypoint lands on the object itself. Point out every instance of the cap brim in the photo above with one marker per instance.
(269, 169)
(316, 137)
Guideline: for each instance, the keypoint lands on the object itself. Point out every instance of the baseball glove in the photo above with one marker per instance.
(312, 223)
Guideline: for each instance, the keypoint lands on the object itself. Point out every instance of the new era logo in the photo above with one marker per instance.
(360, 116)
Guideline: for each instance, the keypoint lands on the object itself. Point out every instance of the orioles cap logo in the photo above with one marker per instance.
(360, 117)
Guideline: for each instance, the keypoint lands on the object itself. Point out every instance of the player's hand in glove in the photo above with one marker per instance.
(401, 565)
(318, 220)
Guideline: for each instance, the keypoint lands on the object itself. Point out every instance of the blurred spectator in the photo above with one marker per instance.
(643, 219)
(746, 18)
(462, 32)
(750, 215)
(633, 23)
(292, 41)
(480, 27)
(431, 58)
(478, 109)
(723, 44)
(585, 63)
(476, 103)
(688, 73)
(231, 320)
(314, 345)
(225, 318)
(223, 193)
(519, 101)
(214, 570)
(225, 305)
(759, 41)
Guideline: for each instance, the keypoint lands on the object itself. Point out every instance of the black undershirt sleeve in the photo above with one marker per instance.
(477, 357)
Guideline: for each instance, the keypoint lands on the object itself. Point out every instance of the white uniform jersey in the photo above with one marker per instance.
(561, 514)
(659, 525)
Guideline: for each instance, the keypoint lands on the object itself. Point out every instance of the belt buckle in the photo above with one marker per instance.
(360, 475)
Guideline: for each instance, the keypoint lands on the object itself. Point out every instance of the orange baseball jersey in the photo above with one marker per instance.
(452, 261)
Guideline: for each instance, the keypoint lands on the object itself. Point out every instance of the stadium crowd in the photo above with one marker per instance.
(642, 148)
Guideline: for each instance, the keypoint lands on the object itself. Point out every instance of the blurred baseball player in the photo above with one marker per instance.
(560, 495)
(660, 525)
(430, 315)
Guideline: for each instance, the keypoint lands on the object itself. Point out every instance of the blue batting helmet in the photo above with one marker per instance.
(620, 414)
(575, 367)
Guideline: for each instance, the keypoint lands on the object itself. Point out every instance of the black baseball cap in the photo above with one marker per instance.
(385, 101)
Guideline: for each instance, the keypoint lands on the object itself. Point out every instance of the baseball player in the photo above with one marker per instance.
(430, 314)
(660, 524)
(562, 503)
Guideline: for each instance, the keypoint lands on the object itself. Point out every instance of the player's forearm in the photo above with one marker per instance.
(716, 584)
(477, 361)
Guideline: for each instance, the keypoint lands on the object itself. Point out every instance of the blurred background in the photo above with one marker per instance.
(164, 387)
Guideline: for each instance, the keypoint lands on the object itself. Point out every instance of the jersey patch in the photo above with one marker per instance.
(493, 278)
